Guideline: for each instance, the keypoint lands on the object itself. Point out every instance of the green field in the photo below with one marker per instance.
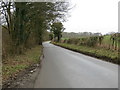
(106, 41)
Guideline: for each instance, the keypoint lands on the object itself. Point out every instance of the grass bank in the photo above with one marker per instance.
(14, 65)
(101, 53)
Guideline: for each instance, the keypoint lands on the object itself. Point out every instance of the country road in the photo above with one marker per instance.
(62, 68)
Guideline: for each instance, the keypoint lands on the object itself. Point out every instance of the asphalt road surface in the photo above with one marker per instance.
(62, 68)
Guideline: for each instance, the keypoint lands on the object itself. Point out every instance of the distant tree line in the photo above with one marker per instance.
(80, 34)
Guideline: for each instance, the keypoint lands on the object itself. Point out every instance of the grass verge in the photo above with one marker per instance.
(14, 65)
(101, 53)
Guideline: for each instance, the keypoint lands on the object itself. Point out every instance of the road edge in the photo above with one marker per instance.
(12, 82)
(103, 58)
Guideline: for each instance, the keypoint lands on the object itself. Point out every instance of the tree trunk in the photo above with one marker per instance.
(58, 38)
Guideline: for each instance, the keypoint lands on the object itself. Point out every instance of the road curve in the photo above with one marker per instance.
(62, 68)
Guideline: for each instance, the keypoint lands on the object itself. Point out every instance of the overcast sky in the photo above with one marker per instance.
(93, 16)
